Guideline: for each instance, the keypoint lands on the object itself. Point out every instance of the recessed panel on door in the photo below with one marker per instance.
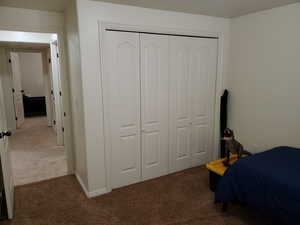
(154, 105)
(123, 106)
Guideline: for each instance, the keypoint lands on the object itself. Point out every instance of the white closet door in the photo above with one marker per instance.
(154, 105)
(122, 93)
(203, 70)
(193, 70)
(180, 102)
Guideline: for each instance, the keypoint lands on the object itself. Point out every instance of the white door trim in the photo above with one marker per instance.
(47, 86)
(104, 25)
(66, 101)
(55, 63)
(15, 65)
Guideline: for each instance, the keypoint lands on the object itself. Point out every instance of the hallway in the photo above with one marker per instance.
(35, 155)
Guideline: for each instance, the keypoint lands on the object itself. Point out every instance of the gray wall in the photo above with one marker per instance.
(32, 75)
(265, 77)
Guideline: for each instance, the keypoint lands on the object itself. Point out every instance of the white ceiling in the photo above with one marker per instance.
(47, 5)
(221, 8)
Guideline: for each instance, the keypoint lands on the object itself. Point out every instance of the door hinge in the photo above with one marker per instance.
(9, 60)
(63, 129)
(65, 114)
(16, 118)
(51, 92)
(49, 60)
(60, 93)
(57, 55)
(13, 90)
(54, 122)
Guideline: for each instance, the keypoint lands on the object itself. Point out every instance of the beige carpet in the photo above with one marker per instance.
(35, 155)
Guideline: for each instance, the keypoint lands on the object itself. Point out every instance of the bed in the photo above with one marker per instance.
(268, 181)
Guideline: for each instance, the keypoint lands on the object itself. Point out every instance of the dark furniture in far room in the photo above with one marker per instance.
(34, 106)
(268, 181)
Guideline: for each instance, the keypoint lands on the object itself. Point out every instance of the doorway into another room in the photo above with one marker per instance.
(34, 108)
(35, 152)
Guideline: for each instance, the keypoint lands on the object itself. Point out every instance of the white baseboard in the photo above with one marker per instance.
(97, 192)
(90, 194)
(82, 185)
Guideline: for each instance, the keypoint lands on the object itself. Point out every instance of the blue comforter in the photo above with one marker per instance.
(269, 181)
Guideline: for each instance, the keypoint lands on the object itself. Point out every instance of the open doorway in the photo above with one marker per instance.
(33, 106)
(51, 46)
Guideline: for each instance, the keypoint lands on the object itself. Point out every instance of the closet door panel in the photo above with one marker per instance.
(193, 63)
(203, 64)
(154, 105)
(180, 95)
(122, 82)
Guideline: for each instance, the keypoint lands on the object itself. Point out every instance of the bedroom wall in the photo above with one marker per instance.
(32, 80)
(72, 39)
(264, 78)
(89, 14)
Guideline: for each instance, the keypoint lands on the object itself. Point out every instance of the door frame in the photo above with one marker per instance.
(48, 61)
(16, 77)
(46, 74)
(105, 25)
(56, 83)
(64, 82)
(6, 161)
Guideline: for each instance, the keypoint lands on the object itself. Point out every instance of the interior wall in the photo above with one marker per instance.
(72, 37)
(264, 78)
(89, 15)
(32, 80)
(17, 19)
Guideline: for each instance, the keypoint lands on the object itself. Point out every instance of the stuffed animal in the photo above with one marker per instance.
(232, 146)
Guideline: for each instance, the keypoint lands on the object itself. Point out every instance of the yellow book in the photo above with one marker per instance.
(218, 167)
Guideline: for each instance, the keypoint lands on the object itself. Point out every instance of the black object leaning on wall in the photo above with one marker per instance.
(223, 120)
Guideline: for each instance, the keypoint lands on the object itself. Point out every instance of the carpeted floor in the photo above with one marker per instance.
(177, 199)
(35, 154)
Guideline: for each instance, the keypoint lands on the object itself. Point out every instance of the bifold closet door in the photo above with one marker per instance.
(193, 63)
(154, 105)
(122, 106)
